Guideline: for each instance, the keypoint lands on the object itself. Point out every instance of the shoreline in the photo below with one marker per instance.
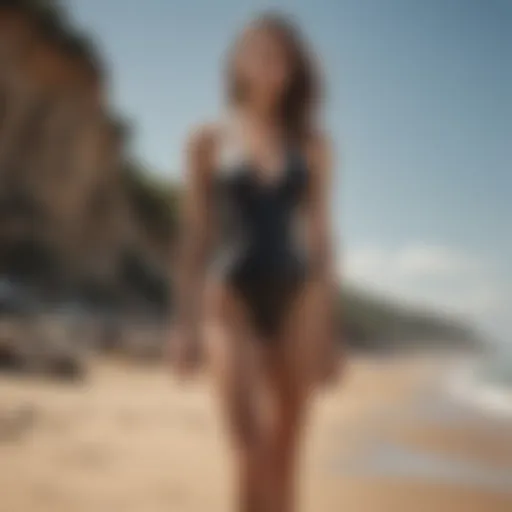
(131, 438)
(471, 389)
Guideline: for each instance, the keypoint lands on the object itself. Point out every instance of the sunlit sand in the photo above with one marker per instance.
(132, 439)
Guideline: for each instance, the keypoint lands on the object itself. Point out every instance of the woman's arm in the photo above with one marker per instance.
(194, 239)
(319, 209)
(321, 250)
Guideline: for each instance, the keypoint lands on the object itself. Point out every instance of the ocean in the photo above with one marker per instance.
(486, 382)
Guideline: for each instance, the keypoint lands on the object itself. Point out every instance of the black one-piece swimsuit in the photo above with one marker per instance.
(258, 252)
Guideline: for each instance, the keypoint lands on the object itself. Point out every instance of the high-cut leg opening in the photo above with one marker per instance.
(268, 301)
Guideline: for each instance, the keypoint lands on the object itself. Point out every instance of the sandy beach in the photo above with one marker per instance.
(132, 439)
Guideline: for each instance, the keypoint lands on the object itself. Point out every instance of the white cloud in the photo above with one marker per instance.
(430, 275)
(424, 260)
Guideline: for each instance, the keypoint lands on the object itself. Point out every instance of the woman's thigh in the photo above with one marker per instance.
(299, 353)
(234, 358)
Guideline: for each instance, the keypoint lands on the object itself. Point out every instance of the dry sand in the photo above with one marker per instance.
(132, 439)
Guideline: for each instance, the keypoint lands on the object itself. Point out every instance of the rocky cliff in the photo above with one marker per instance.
(71, 210)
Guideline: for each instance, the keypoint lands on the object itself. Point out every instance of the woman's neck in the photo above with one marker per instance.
(260, 122)
(263, 115)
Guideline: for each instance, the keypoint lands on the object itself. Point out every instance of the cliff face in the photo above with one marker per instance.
(64, 202)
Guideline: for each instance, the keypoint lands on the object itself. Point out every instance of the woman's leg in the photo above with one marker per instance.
(283, 438)
(293, 375)
(235, 361)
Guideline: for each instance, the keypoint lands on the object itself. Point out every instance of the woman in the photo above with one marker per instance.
(256, 276)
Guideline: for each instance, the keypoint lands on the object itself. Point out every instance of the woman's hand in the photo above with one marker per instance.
(332, 365)
(323, 325)
(331, 358)
(183, 351)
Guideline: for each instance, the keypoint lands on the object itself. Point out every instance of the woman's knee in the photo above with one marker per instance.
(245, 424)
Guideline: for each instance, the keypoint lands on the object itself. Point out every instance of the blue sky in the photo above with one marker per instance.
(420, 107)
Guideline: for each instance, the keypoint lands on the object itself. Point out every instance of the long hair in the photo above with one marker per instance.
(301, 100)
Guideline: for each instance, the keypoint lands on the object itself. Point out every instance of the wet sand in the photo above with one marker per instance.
(132, 439)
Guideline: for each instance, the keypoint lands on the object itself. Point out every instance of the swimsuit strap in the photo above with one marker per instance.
(232, 149)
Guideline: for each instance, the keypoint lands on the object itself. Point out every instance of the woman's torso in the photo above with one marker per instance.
(258, 222)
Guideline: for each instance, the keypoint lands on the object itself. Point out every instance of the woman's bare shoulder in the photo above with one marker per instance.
(203, 138)
(201, 149)
(319, 149)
